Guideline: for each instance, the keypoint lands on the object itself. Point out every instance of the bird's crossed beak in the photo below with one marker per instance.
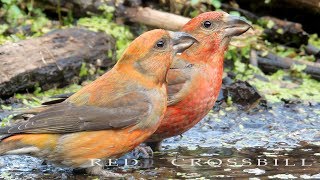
(235, 26)
(181, 41)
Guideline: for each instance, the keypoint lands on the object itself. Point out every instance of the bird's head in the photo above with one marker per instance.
(215, 29)
(151, 54)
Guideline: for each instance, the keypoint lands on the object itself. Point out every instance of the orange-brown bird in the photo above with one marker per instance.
(195, 77)
(108, 117)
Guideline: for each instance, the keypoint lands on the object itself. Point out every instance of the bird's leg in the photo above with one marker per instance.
(142, 151)
(99, 171)
(155, 146)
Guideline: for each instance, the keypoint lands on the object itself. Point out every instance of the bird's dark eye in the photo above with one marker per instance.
(207, 24)
(160, 44)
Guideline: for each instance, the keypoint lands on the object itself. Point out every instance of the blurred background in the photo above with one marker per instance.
(269, 105)
(280, 57)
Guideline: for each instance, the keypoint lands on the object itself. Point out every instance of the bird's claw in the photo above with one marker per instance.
(144, 152)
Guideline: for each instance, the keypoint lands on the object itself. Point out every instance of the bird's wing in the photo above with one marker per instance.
(179, 81)
(67, 117)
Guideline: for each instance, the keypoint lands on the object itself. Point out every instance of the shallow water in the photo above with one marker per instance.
(280, 143)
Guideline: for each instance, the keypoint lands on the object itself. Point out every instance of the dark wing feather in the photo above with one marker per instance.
(58, 99)
(66, 117)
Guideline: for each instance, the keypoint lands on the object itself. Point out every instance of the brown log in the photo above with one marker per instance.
(272, 62)
(135, 13)
(312, 50)
(156, 18)
(52, 60)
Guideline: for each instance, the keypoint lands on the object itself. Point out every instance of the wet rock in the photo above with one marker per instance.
(242, 93)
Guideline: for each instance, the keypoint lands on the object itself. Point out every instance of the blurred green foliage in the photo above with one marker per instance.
(39, 96)
(284, 84)
(23, 20)
(105, 23)
(198, 6)
(20, 19)
(314, 40)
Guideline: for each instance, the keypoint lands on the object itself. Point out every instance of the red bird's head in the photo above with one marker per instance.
(215, 29)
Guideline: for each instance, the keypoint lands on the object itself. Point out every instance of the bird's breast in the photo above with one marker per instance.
(206, 84)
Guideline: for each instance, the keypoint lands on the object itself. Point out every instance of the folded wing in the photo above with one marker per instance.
(67, 117)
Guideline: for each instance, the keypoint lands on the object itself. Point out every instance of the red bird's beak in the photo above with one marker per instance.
(235, 26)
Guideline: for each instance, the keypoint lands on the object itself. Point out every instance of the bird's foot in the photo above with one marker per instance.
(143, 151)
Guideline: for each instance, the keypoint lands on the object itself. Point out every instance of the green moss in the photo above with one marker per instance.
(56, 91)
(104, 23)
(290, 84)
(229, 100)
(4, 107)
(282, 84)
(23, 18)
(36, 98)
(279, 88)
(289, 52)
(5, 120)
(314, 40)
(83, 70)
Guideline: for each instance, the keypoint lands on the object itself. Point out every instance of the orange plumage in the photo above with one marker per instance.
(108, 117)
(195, 77)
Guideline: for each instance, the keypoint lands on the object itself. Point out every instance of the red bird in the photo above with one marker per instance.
(108, 117)
(195, 77)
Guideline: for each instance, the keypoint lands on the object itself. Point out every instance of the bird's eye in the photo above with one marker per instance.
(207, 24)
(160, 44)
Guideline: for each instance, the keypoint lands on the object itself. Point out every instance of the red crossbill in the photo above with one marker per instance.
(108, 117)
(195, 77)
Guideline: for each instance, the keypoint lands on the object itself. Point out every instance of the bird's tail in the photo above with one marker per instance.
(6, 146)
(3, 136)
(12, 145)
